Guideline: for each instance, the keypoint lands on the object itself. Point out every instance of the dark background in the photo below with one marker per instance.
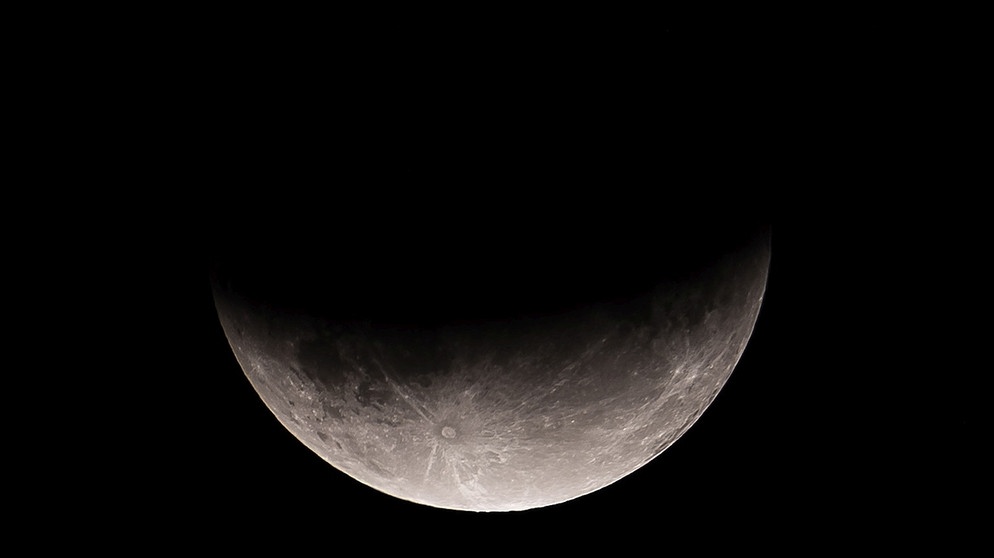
(854, 413)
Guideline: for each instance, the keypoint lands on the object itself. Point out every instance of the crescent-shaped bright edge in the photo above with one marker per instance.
(506, 415)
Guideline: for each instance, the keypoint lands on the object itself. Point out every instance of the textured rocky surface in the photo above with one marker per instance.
(508, 414)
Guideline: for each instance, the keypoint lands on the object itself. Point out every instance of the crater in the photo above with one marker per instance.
(448, 432)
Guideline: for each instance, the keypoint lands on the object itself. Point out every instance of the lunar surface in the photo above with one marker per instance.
(510, 412)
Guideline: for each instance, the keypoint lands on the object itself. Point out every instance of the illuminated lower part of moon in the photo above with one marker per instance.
(509, 414)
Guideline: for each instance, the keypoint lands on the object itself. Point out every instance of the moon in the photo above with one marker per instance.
(472, 395)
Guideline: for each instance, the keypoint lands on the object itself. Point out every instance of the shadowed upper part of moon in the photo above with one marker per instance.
(505, 374)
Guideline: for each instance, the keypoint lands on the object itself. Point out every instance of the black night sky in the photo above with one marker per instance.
(837, 423)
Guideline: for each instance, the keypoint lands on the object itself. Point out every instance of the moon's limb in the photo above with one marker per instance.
(509, 415)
